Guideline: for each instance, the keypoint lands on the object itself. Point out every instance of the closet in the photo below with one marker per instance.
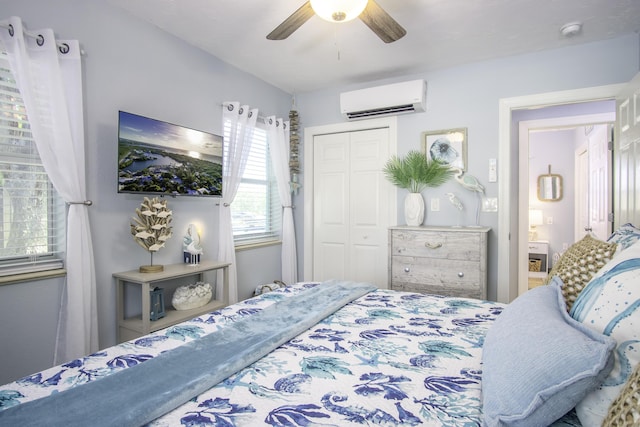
(352, 206)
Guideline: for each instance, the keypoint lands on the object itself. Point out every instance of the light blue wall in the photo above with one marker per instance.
(128, 65)
(468, 96)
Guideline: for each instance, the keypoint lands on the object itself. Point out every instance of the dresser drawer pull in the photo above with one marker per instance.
(407, 270)
(460, 274)
(433, 245)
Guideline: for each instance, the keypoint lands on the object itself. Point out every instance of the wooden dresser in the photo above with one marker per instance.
(449, 261)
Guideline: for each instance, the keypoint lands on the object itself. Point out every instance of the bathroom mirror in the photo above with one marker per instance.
(550, 187)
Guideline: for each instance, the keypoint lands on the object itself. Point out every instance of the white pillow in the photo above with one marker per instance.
(610, 304)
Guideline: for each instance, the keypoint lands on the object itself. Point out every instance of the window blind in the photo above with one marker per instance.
(256, 212)
(32, 215)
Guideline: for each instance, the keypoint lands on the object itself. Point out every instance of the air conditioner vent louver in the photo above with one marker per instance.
(400, 109)
(397, 98)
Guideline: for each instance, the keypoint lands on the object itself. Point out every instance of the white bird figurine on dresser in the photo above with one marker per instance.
(455, 201)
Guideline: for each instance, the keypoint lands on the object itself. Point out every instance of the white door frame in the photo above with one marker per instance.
(309, 133)
(508, 223)
(581, 177)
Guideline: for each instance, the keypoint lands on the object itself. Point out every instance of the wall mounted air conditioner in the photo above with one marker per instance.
(396, 98)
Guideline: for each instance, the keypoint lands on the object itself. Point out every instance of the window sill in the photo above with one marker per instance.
(256, 244)
(29, 277)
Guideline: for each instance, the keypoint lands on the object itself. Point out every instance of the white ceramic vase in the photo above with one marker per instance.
(414, 209)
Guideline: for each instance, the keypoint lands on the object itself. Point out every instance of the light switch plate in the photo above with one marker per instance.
(493, 170)
(490, 204)
(435, 204)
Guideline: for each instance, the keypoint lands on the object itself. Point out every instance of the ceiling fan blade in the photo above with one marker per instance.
(381, 23)
(292, 23)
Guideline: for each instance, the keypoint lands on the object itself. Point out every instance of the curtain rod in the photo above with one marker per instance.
(39, 38)
(260, 116)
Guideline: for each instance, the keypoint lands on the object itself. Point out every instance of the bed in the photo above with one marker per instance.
(381, 358)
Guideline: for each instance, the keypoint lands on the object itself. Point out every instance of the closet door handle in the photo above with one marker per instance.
(433, 245)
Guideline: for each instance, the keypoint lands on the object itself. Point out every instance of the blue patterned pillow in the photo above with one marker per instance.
(538, 362)
(610, 304)
(625, 236)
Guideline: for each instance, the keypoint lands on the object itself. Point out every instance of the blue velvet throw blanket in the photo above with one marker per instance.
(144, 392)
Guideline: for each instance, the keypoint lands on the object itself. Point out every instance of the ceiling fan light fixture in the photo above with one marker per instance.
(338, 10)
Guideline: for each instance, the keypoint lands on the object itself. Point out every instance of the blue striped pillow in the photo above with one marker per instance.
(625, 236)
(610, 304)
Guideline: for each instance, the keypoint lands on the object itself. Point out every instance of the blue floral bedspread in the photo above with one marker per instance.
(388, 358)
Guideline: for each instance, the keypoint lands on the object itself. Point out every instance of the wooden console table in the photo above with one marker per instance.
(134, 327)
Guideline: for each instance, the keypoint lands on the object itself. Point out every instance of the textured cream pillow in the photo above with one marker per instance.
(625, 410)
(579, 264)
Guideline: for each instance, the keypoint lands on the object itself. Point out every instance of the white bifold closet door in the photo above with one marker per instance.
(351, 206)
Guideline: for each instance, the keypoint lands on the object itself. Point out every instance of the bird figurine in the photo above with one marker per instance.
(457, 204)
(469, 182)
(455, 201)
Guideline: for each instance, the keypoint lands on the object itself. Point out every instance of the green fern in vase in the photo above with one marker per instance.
(415, 172)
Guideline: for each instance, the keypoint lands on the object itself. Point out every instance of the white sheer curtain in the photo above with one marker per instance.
(242, 121)
(279, 147)
(48, 73)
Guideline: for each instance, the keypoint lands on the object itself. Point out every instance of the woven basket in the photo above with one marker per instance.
(535, 265)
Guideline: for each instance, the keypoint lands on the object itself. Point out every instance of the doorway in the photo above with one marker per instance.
(549, 146)
(510, 229)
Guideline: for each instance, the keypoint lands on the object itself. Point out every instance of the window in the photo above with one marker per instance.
(256, 212)
(32, 214)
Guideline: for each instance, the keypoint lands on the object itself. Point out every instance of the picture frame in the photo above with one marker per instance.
(448, 146)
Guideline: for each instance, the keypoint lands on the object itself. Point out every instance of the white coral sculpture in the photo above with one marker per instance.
(152, 228)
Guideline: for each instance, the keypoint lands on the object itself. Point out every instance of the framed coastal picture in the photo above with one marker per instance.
(448, 146)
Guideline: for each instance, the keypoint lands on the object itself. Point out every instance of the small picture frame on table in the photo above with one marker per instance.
(448, 146)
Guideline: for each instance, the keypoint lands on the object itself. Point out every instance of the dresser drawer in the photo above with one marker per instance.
(434, 244)
(538, 247)
(445, 289)
(434, 271)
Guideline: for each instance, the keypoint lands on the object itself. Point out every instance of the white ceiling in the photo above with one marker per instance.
(440, 33)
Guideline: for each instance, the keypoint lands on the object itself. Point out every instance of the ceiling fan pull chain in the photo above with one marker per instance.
(335, 41)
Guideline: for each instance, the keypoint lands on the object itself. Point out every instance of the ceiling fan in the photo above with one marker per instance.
(369, 12)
